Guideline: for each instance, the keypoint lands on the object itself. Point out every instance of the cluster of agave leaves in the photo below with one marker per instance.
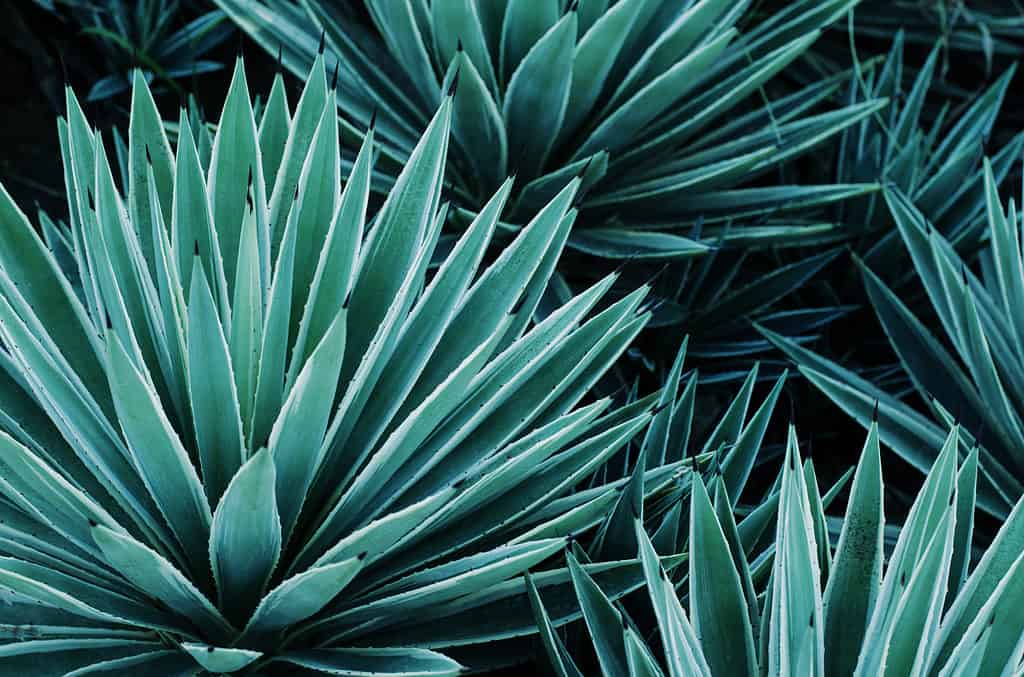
(937, 165)
(916, 142)
(245, 428)
(972, 373)
(804, 608)
(657, 102)
(684, 123)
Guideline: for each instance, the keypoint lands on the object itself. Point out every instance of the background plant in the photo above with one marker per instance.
(857, 608)
(146, 34)
(983, 32)
(969, 372)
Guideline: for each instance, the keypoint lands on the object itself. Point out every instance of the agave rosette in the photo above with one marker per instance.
(970, 372)
(243, 429)
(814, 604)
(144, 33)
(930, 152)
(635, 94)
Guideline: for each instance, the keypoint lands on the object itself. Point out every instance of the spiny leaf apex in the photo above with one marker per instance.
(454, 86)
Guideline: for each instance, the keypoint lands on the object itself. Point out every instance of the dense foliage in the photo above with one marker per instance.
(855, 609)
(144, 34)
(257, 431)
(456, 337)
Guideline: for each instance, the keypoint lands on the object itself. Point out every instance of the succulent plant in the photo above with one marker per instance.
(660, 105)
(145, 34)
(807, 605)
(316, 387)
(244, 430)
(929, 150)
(970, 373)
(985, 29)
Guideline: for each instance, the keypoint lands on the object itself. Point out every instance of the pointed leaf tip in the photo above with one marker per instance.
(453, 87)
(586, 165)
(660, 408)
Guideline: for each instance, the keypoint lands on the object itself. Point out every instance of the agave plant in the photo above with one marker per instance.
(988, 29)
(656, 104)
(929, 153)
(243, 430)
(327, 459)
(971, 372)
(926, 608)
(145, 34)
(974, 39)
(919, 144)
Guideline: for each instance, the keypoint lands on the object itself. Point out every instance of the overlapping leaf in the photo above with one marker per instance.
(246, 429)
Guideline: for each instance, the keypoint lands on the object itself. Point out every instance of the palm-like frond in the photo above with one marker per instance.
(822, 610)
(659, 105)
